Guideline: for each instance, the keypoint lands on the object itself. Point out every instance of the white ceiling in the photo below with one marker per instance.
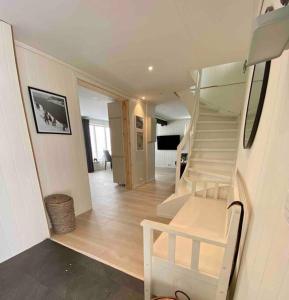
(172, 110)
(116, 40)
(93, 104)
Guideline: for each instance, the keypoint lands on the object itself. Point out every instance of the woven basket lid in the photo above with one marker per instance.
(57, 199)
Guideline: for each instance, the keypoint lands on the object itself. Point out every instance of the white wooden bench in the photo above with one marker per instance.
(195, 252)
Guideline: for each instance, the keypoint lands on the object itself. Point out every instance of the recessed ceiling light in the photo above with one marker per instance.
(150, 68)
(143, 97)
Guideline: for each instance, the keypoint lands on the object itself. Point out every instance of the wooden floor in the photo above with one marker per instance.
(111, 232)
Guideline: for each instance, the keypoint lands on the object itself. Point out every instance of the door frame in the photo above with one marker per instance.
(125, 122)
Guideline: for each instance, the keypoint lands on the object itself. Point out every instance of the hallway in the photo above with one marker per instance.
(111, 232)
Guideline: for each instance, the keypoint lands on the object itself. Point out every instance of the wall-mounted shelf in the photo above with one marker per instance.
(270, 37)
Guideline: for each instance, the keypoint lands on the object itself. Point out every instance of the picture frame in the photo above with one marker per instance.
(139, 141)
(50, 112)
(139, 122)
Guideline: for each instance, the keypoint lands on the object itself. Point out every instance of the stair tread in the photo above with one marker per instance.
(219, 180)
(213, 160)
(215, 149)
(219, 177)
(216, 115)
(215, 140)
(214, 174)
(216, 130)
(209, 170)
(217, 121)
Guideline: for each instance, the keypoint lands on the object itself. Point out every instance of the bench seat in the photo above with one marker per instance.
(201, 216)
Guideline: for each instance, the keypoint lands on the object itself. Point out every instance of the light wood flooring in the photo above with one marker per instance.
(111, 232)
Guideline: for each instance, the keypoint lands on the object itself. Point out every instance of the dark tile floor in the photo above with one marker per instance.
(51, 271)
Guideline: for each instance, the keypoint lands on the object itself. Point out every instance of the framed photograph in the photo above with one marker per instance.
(139, 121)
(50, 112)
(139, 141)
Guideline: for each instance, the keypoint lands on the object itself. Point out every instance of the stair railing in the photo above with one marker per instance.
(188, 138)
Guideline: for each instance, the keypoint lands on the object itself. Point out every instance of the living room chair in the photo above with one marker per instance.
(107, 158)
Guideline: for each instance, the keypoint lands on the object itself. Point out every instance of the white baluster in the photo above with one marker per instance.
(216, 192)
(205, 189)
(148, 252)
(195, 255)
(172, 248)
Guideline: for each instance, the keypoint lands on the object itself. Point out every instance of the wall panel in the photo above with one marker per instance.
(22, 216)
(265, 169)
(60, 158)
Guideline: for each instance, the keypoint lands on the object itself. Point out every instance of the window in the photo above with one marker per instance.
(100, 140)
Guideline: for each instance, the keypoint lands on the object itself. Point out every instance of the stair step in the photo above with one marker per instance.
(205, 109)
(213, 175)
(215, 145)
(218, 124)
(216, 161)
(216, 134)
(217, 177)
(210, 192)
(211, 171)
(214, 149)
(215, 140)
(217, 130)
(214, 154)
(218, 121)
(215, 114)
(216, 117)
(211, 166)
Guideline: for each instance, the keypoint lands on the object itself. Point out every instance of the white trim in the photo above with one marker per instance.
(80, 74)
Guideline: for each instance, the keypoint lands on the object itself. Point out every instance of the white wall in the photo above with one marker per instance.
(167, 158)
(264, 270)
(22, 216)
(60, 159)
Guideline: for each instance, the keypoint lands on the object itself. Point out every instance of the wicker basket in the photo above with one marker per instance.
(61, 212)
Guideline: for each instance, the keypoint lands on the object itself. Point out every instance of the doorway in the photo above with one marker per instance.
(95, 121)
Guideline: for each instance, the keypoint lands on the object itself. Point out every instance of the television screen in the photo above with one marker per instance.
(168, 142)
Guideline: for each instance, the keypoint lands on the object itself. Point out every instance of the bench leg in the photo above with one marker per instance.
(148, 250)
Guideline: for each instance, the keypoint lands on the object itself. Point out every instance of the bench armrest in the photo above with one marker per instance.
(178, 231)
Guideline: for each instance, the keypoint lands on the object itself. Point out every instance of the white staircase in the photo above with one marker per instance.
(213, 153)
(211, 143)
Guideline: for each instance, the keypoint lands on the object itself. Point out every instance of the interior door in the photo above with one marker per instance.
(117, 141)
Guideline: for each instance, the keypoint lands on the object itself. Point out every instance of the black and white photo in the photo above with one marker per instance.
(50, 112)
